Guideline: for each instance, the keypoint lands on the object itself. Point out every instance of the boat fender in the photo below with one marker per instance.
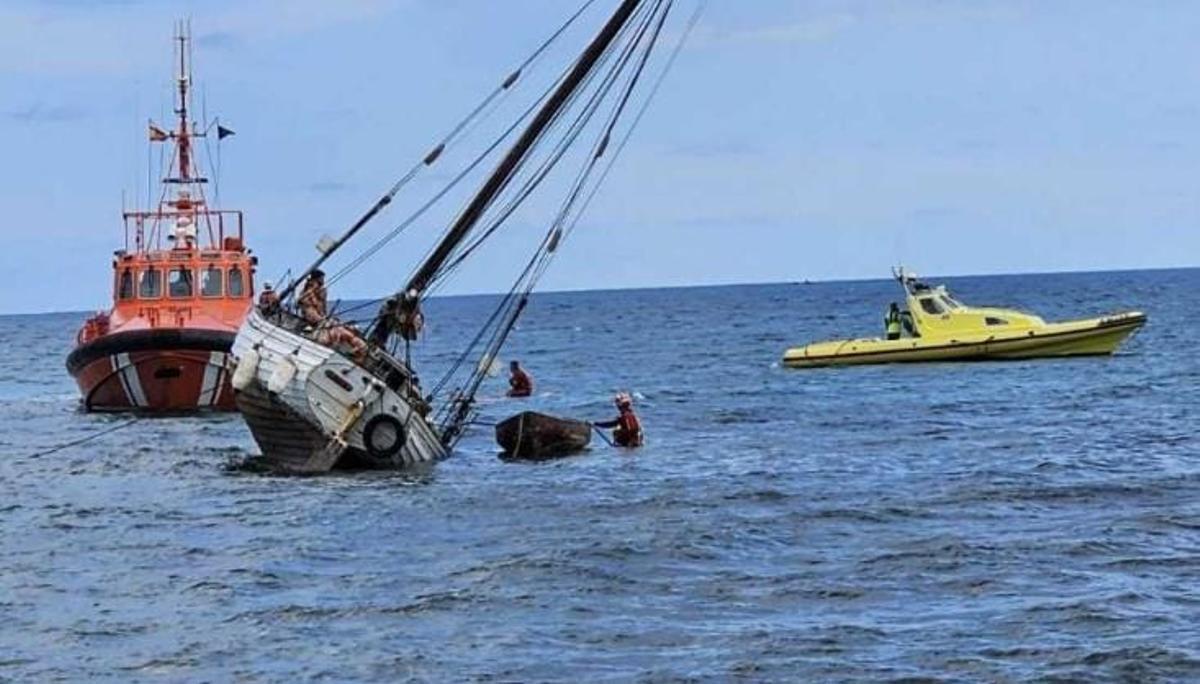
(282, 376)
(384, 436)
(244, 370)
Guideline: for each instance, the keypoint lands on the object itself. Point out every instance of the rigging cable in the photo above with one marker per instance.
(547, 255)
(560, 149)
(528, 184)
(662, 76)
(432, 156)
(517, 168)
(420, 211)
(670, 62)
(572, 133)
(539, 263)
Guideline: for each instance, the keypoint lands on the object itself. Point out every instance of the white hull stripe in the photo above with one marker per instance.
(116, 366)
(210, 388)
(130, 380)
(221, 361)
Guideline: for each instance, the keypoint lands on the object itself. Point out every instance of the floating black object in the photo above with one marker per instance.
(536, 436)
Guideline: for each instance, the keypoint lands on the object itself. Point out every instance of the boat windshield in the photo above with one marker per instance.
(950, 302)
(210, 282)
(150, 287)
(179, 282)
(236, 286)
(125, 291)
(932, 306)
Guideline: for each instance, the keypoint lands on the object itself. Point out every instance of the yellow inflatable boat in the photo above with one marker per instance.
(936, 327)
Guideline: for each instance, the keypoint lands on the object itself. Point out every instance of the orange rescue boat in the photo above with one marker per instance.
(182, 285)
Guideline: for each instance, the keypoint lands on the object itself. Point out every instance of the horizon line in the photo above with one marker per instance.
(693, 286)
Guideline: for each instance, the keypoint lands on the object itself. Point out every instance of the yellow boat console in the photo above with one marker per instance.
(937, 327)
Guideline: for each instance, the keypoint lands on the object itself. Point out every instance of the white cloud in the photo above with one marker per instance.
(809, 30)
(117, 38)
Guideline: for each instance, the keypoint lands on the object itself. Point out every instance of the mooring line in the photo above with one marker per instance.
(602, 435)
(83, 440)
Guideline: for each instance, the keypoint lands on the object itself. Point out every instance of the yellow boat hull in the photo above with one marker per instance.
(1089, 337)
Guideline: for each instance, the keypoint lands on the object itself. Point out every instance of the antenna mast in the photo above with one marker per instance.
(183, 81)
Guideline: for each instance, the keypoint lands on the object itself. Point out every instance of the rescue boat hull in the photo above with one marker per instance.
(1090, 337)
(158, 370)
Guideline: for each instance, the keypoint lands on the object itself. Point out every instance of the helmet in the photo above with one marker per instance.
(623, 399)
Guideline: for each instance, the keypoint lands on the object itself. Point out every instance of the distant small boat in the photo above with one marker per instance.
(942, 329)
(163, 345)
(539, 437)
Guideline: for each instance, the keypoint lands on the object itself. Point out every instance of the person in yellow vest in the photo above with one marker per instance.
(891, 322)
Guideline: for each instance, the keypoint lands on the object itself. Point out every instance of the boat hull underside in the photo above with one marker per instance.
(155, 371)
(1063, 340)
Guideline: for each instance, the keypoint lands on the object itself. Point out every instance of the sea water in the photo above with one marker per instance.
(956, 522)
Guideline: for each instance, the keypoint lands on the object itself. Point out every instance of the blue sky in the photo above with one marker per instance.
(822, 139)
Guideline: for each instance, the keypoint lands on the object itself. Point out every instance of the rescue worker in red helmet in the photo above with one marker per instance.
(627, 429)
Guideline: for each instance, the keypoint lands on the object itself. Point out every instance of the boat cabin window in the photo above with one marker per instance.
(932, 306)
(150, 284)
(237, 285)
(950, 303)
(210, 282)
(179, 283)
(125, 285)
(992, 320)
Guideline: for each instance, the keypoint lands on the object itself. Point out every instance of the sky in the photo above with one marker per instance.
(792, 140)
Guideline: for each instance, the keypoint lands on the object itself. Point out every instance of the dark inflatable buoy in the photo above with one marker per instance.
(532, 436)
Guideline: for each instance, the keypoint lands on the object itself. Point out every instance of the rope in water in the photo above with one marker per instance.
(83, 440)
(602, 435)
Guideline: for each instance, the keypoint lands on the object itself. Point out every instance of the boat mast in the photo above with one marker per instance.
(500, 176)
(182, 139)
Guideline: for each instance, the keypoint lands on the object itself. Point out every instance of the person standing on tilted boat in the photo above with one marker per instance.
(314, 308)
(314, 299)
(520, 384)
(268, 301)
(627, 429)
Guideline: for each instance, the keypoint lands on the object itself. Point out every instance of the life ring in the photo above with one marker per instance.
(384, 436)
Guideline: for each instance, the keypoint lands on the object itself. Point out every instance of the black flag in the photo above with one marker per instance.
(223, 132)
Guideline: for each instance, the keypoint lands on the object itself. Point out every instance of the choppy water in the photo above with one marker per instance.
(973, 522)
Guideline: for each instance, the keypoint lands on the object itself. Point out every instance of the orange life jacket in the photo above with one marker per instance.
(629, 430)
(520, 384)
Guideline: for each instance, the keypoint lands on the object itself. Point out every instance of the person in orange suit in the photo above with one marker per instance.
(520, 384)
(627, 429)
